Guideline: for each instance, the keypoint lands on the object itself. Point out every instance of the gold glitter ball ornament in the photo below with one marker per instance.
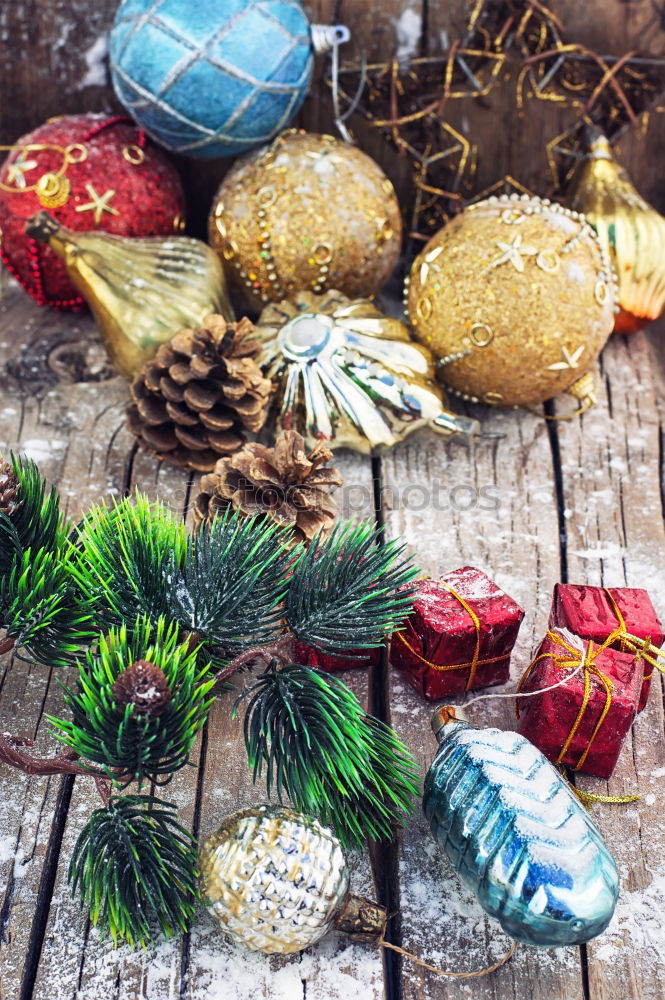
(344, 373)
(278, 881)
(308, 212)
(516, 298)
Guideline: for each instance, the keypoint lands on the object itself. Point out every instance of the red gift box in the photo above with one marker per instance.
(596, 612)
(308, 656)
(584, 721)
(459, 635)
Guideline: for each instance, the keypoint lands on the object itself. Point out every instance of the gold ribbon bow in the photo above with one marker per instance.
(571, 659)
(475, 661)
(640, 647)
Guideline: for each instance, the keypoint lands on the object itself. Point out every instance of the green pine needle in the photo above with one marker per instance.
(226, 586)
(233, 582)
(134, 866)
(130, 555)
(42, 611)
(122, 740)
(349, 591)
(36, 522)
(320, 748)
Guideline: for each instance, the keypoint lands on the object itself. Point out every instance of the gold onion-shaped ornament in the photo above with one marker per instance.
(515, 297)
(632, 232)
(278, 881)
(346, 374)
(140, 291)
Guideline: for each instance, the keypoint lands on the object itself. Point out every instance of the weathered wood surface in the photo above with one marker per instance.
(529, 502)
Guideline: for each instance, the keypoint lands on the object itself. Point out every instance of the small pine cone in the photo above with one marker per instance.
(192, 401)
(284, 483)
(143, 685)
(9, 490)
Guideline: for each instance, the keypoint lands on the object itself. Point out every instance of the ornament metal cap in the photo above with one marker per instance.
(595, 144)
(445, 714)
(42, 227)
(362, 919)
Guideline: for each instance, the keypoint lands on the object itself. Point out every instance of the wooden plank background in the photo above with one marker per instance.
(531, 502)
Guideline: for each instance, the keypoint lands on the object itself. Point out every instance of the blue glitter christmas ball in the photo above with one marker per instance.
(211, 78)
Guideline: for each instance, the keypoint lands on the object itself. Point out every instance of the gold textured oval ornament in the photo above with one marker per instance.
(346, 374)
(140, 291)
(515, 298)
(632, 232)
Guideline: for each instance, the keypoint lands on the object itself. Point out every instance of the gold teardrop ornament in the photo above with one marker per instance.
(346, 374)
(140, 291)
(631, 231)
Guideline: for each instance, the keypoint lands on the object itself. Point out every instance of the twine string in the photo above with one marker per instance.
(527, 694)
(446, 972)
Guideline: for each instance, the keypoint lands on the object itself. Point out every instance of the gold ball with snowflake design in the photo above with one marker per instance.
(516, 299)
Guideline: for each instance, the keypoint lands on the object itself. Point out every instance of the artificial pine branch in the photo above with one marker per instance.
(134, 867)
(333, 761)
(234, 579)
(129, 559)
(125, 738)
(225, 586)
(43, 613)
(30, 516)
(234, 595)
(349, 591)
(41, 610)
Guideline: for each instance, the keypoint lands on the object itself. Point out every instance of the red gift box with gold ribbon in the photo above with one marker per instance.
(624, 613)
(459, 636)
(583, 721)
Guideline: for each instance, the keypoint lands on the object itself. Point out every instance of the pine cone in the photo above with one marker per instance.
(143, 685)
(284, 483)
(9, 489)
(195, 397)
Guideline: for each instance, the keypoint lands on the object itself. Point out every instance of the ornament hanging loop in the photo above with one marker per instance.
(366, 921)
(325, 37)
(447, 972)
(328, 38)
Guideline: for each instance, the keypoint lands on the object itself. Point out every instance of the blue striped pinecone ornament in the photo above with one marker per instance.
(518, 836)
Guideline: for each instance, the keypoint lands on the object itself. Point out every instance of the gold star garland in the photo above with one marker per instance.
(408, 103)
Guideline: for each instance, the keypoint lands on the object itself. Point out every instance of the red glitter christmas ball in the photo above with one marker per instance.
(89, 172)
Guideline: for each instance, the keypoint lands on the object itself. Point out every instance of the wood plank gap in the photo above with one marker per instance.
(384, 855)
(424, 29)
(661, 467)
(555, 448)
(46, 885)
(129, 470)
(557, 467)
(584, 969)
(185, 954)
